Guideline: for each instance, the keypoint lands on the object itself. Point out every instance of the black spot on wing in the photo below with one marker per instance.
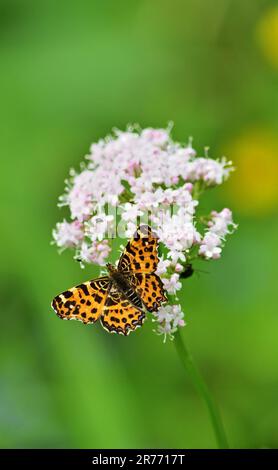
(84, 288)
(67, 294)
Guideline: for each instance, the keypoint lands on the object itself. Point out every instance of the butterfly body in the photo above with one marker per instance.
(121, 282)
(120, 299)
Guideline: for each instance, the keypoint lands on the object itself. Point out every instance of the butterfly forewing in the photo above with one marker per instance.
(140, 254)
(84, 302)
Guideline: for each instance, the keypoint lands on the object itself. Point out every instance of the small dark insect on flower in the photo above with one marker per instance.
(188, 271)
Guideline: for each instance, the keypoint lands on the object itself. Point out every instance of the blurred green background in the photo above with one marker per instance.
(70, 71)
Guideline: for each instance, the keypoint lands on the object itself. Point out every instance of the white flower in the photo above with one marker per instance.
(168, 319)
(173, 284)
(130, 229)
(167, 266)
(131, 212)
(98, 226)
(175, 256)
(178, 316)
(210, 246)
(96, 252)
(78, 195)
(209, 170)
(150, 200)
(158, 137)
(183, 198)
(68, 234)
(177, 232)
(221, 223)
(179, 268)
(219, 226)
(162, 267)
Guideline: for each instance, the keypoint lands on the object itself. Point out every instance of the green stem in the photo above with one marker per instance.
(203, 390)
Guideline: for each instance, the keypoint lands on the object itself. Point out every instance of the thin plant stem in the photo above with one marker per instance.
(200, 385)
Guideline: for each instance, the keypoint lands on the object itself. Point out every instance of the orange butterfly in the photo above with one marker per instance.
(121, 298)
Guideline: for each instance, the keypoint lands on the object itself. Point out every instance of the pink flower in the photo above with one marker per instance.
(96, 252)
(173, 284)
(162, 267)
(210, 246)
(131, 212)
(221, 223)
(158, 137)
(168, 319)
(99, 226)
(211, 171)
(68, 234)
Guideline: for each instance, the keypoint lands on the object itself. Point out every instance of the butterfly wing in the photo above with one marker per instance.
(139, 262)
(150, 289)
(119, 315)
(84, 302)
(140, 254)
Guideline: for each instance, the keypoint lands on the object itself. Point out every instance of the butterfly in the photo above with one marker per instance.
(121, 299)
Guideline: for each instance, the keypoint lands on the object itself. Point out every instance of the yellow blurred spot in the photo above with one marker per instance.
(267, 34)
(254, 185)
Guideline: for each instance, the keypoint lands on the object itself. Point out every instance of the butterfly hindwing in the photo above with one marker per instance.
(119, 315)
(150, 289)
(140, 254)
(84, 302)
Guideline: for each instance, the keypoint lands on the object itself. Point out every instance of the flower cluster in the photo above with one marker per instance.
(219, 225)
(144, 176)
(169, 318)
